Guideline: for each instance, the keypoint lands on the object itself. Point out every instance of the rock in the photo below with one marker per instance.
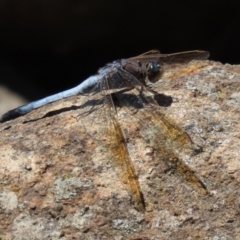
(58, 182)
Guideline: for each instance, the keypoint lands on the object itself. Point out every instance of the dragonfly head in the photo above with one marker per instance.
(153, 71)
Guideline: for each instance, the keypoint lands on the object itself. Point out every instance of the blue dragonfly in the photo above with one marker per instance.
(112, 82)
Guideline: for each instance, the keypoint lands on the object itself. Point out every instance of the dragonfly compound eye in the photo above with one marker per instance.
(153, 71)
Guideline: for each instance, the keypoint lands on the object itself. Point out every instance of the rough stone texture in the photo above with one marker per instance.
(57, 183)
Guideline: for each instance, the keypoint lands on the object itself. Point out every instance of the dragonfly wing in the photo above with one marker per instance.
(111, 137)
(181, 57)
(151, 52)
(120, 159)
(166, 137)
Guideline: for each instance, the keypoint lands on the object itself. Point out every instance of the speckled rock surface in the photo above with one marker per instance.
(57, 183)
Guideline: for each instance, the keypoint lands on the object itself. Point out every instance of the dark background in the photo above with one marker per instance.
(47, 46)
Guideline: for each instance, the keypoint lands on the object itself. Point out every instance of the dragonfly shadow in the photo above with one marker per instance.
(132, 100)
(52, 113)
(163, 100)
(91, 102)
(136, 101)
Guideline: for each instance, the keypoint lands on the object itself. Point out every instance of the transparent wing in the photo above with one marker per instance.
(181, 57)
(165, 135)
(110, 134)
(118, 154)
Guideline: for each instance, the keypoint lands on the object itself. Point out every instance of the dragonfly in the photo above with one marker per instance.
(125, 84)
